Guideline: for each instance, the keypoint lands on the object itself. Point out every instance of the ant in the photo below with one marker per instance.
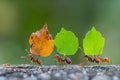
(32, 59)
(90, 59)
(61, 59)
(105, 59)
(96, 59)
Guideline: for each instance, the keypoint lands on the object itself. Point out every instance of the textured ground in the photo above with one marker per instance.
(68, 72)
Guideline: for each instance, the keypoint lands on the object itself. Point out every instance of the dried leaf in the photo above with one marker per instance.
(41, 42)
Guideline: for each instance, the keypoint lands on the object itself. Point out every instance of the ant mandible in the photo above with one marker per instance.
(61, 59)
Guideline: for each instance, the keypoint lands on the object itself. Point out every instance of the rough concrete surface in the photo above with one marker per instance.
(64, 72)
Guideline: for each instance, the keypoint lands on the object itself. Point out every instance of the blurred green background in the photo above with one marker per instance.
(19, 18)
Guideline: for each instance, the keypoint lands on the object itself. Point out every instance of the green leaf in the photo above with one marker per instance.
(93, 43)
(66, 42)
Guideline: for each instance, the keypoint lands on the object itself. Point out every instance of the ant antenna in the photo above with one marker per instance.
(25, 56)
(27, 51)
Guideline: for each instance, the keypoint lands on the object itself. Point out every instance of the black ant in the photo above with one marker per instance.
(32, 59)
(61, 59)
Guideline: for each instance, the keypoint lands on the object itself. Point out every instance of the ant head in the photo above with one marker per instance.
(56, 56)
(107, 59)
(29, 55)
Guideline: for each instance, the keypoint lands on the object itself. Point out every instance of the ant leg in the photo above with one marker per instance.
(92, 60)
(56, 62)
(89, 63)
(25, 58)
(29, 61)
(35, 62)
(64, 59)
(27, 53)
(25, 61)
(110, 62)
(38, 61)
(56, 57)
(84, 60)
(95, 60)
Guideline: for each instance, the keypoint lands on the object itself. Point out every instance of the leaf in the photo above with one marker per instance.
(66, 42)
(93, 43)
(41, 42)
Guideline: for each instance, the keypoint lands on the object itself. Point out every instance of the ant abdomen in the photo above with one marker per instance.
(38, 61)
(68, 61)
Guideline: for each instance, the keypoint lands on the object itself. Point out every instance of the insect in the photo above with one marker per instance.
(41, 44)
(96, 59)
(90, 59)
(31, 58)
(61, 59)
(105, 59)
